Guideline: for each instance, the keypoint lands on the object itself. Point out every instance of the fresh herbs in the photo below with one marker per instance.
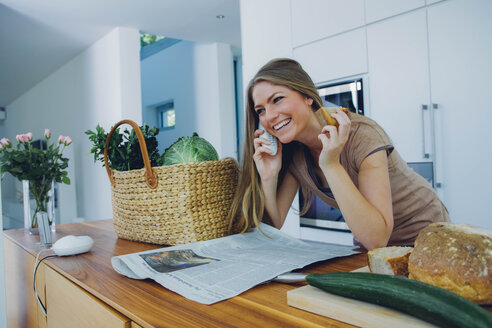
(124, 150)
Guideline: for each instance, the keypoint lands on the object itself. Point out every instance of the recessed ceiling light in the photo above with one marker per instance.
(220, 16)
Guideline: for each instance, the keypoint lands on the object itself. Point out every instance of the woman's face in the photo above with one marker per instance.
(284, 113)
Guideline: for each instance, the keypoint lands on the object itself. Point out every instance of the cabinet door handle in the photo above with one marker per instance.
(439, 147)
(425, 153)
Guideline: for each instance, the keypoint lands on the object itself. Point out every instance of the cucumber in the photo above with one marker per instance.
(429, 303)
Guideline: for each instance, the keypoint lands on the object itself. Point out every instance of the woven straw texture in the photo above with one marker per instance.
(191, 202)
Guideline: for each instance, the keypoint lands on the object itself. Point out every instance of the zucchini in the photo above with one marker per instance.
(429, 303)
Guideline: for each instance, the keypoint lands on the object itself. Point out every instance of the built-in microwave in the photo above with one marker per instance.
(348, 94)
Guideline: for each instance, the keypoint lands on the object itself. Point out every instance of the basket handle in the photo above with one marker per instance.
(150, 176)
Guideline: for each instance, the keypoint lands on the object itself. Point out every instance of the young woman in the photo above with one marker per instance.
(352, 167)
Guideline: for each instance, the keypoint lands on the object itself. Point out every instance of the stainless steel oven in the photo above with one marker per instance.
(347, 94)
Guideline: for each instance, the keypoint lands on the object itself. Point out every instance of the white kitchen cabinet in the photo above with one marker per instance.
(336, 57)
(439, 56)
(430, 2)
(381, 9)
(460, 55)
(399, 82)
(317, 19)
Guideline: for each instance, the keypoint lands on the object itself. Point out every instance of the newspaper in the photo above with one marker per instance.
(214, 270)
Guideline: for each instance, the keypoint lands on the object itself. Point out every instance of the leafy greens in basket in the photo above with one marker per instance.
(124, 149)
(189, 149)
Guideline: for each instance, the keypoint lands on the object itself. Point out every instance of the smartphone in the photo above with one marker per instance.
(273, 140)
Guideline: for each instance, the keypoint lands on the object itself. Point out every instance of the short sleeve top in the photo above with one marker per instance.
(415, 204)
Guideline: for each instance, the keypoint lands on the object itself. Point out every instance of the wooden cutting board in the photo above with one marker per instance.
(351, 311)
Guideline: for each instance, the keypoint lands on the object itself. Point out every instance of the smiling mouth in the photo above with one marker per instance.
(281, 124)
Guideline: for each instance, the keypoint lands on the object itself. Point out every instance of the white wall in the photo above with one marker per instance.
(101, 85)
(199, 78)
(214, 93)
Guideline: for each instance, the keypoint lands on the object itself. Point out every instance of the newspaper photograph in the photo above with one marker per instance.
(214, 270)
(168, 261)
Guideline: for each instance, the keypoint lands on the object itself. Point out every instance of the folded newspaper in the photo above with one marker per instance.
(214, 270)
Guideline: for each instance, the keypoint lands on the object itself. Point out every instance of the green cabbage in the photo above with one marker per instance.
(189, 149)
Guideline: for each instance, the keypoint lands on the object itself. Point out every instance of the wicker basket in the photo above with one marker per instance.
(175, 204)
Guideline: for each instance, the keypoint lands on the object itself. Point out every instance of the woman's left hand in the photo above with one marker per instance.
(334, 139)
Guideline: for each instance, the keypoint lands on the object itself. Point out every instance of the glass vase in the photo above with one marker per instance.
(38, 196)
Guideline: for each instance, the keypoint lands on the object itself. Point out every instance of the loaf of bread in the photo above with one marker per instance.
(389, 260)
(456, 257)
(326, 111)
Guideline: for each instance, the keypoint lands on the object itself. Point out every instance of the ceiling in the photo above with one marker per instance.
(37, 37)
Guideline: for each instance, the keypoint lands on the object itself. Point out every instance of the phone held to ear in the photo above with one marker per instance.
(273, 141)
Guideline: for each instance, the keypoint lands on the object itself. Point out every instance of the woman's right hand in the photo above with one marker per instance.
(268, 166)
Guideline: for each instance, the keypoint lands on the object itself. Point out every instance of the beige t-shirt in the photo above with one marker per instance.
(415, 204)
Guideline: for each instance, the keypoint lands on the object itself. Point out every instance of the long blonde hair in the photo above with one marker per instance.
(248, 206)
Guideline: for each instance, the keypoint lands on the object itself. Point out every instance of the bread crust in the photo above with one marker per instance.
(326, 114)
(400, 264)
(391, 260)
(456, 257)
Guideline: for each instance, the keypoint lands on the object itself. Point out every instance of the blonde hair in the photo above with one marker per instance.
(248, 206)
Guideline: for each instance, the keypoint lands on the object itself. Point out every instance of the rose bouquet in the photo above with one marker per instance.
(39, 166)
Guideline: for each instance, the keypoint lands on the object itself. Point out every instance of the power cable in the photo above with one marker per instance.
(36, 265)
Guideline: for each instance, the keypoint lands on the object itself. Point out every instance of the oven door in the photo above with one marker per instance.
(348, 94)
(322, 215)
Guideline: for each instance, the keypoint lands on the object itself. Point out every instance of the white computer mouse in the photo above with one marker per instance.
(72, 245)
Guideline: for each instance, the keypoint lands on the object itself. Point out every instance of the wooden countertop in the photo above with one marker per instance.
(151, 305)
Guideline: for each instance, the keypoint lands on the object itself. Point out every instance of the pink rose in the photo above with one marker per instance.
(23, 138)
(61, 139)
(5, 141)
(47, 133)
(68, 141)
(28, 136)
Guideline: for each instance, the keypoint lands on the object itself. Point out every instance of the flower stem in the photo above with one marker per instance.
(39, 189)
